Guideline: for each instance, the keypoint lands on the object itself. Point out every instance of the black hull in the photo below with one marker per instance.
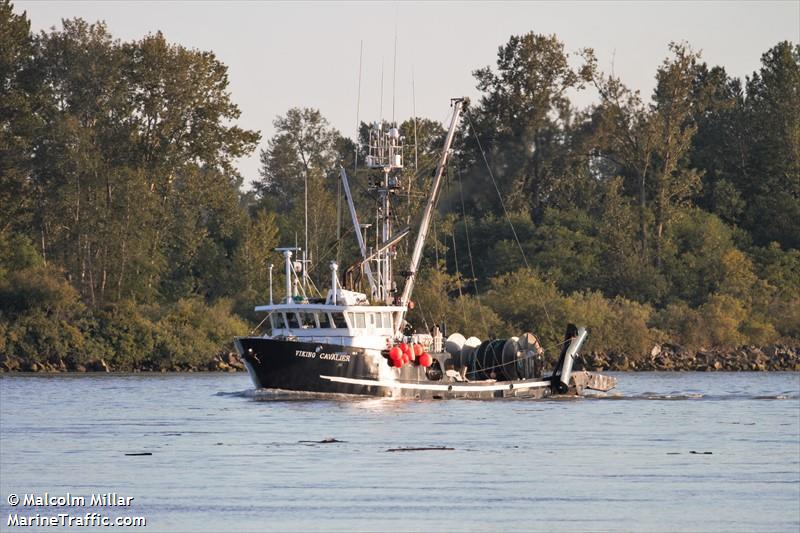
(297, 366)
(336, 369)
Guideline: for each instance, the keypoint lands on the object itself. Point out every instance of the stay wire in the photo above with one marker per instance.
(496, 188)
(458, 279)
(469, 250)
(435, 242)
(503, 205)
(260, 323)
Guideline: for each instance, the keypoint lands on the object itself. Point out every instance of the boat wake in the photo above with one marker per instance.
(266, 395)
(679, 396)
(234, 394)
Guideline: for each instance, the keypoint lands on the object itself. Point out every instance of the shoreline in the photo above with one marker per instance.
(671, 357)
(666, 357)
(222, 362)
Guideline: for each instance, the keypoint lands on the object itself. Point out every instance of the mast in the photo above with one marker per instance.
(386, 156)
(416, 256)
(386, 228)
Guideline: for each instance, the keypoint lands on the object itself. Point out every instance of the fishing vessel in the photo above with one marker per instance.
(359, 342)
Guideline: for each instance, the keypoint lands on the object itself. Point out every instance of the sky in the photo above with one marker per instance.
(307, 54)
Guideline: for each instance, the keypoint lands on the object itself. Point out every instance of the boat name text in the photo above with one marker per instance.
(338, 357)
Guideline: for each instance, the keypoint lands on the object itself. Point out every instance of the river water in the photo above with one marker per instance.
(664, 452)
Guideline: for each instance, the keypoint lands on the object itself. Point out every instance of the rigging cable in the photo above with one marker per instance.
(458, 278)
(505, 211)
(355, 158)
(422, 314)
(435, 241)
(469, 250)
(260, 323)
(496, 188)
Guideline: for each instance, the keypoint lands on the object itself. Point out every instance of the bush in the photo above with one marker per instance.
(39, 288)
(468, 316)
(615, 326)
(43, 318)
(128, 335)
(698, 255)
(37, 337)
(528, 303)
(721, 318)
(191, 333)
(722, 322)
(680, 324)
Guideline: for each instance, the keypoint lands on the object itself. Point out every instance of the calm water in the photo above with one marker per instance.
(223, 460)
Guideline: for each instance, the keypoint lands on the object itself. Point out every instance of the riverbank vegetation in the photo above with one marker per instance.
(127, 237)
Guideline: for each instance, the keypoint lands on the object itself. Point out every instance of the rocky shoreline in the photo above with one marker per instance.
(671, 357)
(222, 362)
(666, 357)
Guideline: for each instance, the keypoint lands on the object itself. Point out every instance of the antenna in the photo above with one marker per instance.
(613, 57)
(339, 218)
(358, 106)
(305, 230)
(380, 111)
(416, 152)
(394, 65)
(414, 112)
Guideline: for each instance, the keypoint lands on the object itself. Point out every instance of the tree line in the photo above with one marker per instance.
(126, 235)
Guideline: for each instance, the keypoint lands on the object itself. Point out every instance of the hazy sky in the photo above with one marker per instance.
(286, 54)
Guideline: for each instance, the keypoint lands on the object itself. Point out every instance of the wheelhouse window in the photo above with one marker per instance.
(324, 320)
(279, 320)
(307, 320)
(292, 320)
(378, 321)
(339, 321)
(360, 322)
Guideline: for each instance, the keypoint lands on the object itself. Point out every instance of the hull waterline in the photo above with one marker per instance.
(310, 367)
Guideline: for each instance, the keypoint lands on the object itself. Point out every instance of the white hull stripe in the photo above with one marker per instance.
(434, 387)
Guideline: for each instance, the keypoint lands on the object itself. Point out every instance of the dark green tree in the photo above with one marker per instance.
(520, 119)
(126, 127)
(18, 88)
(771, 185)
(299, 176)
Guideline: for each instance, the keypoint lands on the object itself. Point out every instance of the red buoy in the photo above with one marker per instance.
(404, 347)
(395, 352)
(418, 349)
(425, 360)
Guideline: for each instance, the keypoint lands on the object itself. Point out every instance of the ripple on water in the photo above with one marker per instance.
(226, 457)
